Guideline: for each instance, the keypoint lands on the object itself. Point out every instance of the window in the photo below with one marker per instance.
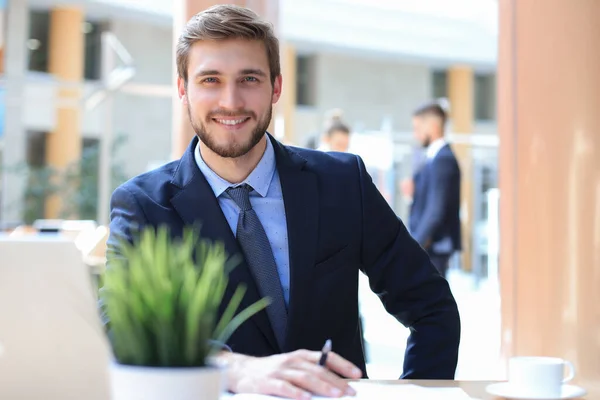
(485, 97)
(439, 84)
(39, 44)
(305, 80)
(93, 50)
(36, 148)
(39, 28)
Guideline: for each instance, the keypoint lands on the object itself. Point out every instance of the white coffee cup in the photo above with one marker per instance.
(540, 377)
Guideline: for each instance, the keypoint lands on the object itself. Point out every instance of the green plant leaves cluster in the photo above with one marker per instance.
(162, 300)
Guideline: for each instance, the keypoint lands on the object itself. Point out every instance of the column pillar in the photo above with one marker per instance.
(66, 63)
(184, 10)
(549, 129)
(286, 107)
(461, 95)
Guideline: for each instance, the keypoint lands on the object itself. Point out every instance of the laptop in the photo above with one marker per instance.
(51, 338)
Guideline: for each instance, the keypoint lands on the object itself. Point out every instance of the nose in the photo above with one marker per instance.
(231, 97)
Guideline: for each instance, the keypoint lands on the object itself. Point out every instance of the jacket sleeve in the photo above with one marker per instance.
(410, 288)
(126, 219)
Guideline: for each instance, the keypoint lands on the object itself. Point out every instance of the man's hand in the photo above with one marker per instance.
(294, 375)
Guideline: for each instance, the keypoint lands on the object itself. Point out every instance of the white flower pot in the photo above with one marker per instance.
(153, 383)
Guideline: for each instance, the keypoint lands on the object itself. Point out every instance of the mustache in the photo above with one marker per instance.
(229, 113)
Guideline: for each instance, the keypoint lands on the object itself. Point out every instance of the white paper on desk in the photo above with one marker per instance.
(377, 391)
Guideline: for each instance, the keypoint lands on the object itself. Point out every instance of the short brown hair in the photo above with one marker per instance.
(338, 126)
(222, 22)
(432, 108)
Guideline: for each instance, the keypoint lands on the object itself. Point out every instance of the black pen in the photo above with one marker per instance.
(325, 352)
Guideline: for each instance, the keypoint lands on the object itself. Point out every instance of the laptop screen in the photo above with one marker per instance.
(50, 331)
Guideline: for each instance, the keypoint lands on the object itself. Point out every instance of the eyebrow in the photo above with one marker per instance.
(247, 71)
(207, 72)
(252, 71)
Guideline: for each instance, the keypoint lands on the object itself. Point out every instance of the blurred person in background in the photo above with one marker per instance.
(336, 134)
(434, 214)
(337, 138)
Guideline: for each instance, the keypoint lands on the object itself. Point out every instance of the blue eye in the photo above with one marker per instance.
(210, 80)
(250, 79)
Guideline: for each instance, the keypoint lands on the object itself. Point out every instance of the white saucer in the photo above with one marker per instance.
(504, 389)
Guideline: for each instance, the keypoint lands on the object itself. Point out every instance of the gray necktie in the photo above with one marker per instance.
(259, 256)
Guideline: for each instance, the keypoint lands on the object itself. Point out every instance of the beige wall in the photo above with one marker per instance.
(369, 89)
(40, 97)
(146, 123)
(150, 48)
(145, 119)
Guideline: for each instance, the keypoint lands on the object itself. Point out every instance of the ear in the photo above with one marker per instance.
(277, 89)
(181, 90)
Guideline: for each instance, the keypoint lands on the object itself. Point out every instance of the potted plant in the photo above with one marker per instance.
(161, 300)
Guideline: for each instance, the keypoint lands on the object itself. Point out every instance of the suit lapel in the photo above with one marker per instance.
(300, 196)
(197, 205)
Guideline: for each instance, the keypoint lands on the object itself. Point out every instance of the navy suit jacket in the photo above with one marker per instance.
(434, 217)
(338, 224)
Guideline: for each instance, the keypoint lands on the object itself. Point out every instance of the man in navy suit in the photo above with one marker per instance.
(434, 215)
(312, 219)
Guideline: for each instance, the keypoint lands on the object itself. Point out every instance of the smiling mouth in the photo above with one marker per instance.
(230, 121)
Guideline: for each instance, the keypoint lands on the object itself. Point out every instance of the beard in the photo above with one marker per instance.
(426, 142)
(233, 150)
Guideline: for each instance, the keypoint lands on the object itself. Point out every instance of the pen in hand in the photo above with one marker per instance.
(325, 352)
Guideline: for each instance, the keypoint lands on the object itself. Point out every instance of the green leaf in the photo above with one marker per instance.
(229, 312)
(241, 318)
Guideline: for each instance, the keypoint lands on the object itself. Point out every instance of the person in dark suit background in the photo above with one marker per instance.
(305, 221)
(434, 214)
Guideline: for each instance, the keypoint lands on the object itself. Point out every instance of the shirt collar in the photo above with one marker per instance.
(434, 147)
(260, 177)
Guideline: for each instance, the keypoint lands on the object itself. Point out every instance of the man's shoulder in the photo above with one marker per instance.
(318, 160)
(447, 151)
(152, 183)
(445, 156)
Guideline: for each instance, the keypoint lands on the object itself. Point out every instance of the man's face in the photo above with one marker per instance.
(421, 130)
(339, 141)
(229, 95)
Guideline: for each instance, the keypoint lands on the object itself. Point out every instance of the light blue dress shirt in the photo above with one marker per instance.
(267, 202)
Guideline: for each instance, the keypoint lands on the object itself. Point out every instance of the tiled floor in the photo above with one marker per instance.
(480, 340)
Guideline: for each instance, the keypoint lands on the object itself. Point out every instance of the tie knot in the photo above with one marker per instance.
(241, 196)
